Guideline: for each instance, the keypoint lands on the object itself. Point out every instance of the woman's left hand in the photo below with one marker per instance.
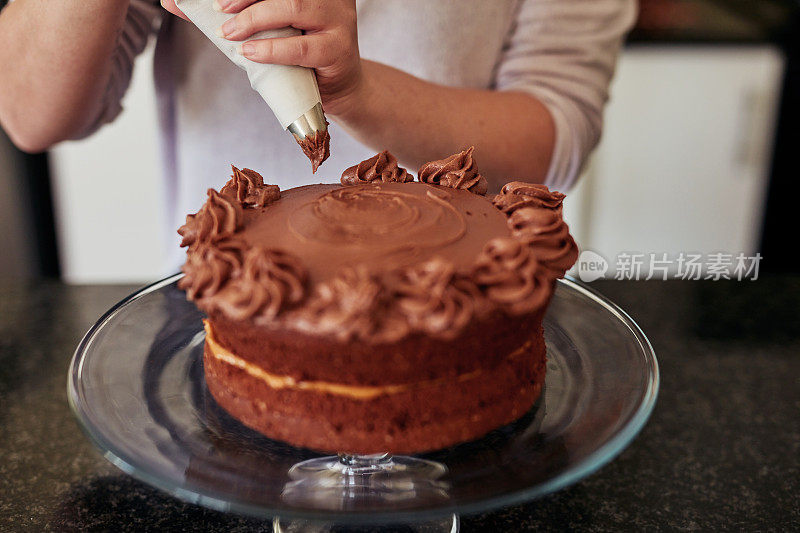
(329, 43)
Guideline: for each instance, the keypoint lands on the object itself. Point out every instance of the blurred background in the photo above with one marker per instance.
(696, 156)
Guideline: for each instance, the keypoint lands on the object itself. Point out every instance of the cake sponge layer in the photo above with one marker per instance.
(415, 418)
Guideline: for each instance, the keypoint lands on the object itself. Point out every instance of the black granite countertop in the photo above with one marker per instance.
(721, 450)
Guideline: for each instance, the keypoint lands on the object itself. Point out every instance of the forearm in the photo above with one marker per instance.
(513, 133)
(55, 56)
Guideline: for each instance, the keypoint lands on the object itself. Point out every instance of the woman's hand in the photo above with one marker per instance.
(170, 6)
(329, 43)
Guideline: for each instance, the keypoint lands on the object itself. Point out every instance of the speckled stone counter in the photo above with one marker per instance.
(721, 450)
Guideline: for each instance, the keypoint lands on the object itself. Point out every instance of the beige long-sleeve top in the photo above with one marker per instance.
(563, 52)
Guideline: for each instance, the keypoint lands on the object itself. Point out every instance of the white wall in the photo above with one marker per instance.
(107, 190)
(685, 158)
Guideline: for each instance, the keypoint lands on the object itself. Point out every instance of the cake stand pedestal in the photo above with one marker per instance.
(350, 482)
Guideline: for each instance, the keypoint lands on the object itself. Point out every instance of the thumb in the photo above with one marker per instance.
(170, 6)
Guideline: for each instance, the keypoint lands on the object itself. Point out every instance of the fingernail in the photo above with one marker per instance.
(228, 28)
(247, 49)
(221, 5)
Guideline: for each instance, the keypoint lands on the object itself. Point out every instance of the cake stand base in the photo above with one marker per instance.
(449, 524)
(364, 483)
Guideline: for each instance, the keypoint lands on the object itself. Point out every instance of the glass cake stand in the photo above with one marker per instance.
(136, 385)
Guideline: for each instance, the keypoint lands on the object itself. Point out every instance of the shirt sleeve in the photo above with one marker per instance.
(140, 22)
(564, 53)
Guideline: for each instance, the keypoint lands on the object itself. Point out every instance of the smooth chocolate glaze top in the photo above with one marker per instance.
(382, 226)
(376, 259)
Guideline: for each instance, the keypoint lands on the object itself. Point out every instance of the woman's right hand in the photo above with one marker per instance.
(329, 43)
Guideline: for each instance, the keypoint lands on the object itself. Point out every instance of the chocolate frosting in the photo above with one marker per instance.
(209, 267)
(458, 171)
(225, 273)
(547, 234)
(346, 306)
(268, 281)
(247, 187)
(517, 194)
(507, 270)
(218, 219)
(378, 220)
(433, 299)
(317, 148)
(379, 259)
(380, 167)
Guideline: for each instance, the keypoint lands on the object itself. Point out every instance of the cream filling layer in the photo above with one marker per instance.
(357, 392)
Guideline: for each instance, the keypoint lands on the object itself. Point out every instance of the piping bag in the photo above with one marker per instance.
(290, 91)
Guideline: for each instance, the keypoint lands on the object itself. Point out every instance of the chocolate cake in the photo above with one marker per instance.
(380, 315)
